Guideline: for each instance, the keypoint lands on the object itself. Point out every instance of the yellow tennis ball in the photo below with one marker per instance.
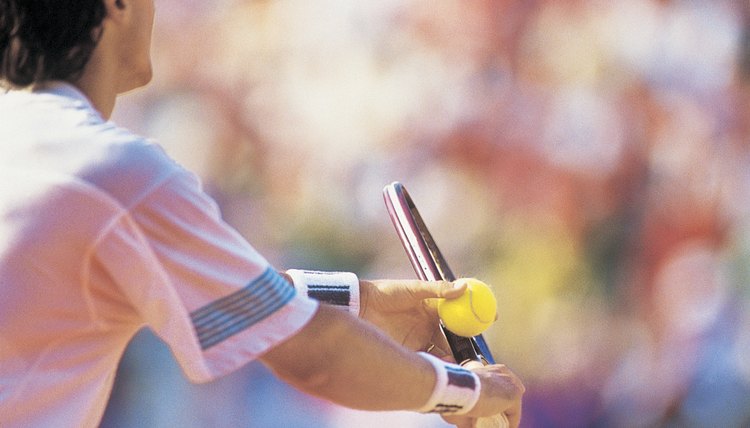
(472, 312)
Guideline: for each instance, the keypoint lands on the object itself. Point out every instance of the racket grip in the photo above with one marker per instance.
(497, 421)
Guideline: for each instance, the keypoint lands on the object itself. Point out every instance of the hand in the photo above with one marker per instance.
(400, 309)
(501, 392)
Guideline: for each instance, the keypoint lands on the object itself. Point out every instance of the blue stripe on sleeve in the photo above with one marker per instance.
(242, 309)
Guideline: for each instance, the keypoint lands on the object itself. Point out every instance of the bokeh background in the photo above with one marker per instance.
(589, 158)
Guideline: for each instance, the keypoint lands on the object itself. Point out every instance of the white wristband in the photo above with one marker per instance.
(333, 288)
(456, 390)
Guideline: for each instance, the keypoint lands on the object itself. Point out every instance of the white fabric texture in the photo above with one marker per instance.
(102, 234)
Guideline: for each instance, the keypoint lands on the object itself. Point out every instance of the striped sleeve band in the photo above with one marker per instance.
(333, 288)
(225, 317)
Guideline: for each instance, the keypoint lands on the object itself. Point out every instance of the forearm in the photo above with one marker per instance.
(345, 360)
(353, 363)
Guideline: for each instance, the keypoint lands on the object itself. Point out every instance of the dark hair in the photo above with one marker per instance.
(43, 40)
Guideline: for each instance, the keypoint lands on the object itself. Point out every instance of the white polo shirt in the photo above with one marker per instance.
(102, 234)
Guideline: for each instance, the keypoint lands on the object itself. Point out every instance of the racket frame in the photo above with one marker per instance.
(430, 265)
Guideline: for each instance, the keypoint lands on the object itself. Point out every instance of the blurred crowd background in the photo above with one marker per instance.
(589, 158)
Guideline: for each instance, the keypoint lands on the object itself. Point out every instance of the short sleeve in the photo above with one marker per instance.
(197, 283)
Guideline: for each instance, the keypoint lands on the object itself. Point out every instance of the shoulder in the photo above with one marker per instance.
(57, 131)
(129, 166)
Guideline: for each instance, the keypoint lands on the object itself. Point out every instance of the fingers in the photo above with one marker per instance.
(431, 303)
(472, 365)
(460, 421)
(438, 346)
(466, 422)
(514, 418)
(514, 388)
(503, 387)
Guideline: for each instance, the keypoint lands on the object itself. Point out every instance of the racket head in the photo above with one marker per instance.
(426, 259)
(429, 264)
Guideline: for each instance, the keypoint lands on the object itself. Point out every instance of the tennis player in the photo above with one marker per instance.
(102, 234)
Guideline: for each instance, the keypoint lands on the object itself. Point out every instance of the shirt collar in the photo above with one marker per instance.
(63, 89)
(67, 90)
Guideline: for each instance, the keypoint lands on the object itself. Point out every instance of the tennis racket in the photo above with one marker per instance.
(430, 265)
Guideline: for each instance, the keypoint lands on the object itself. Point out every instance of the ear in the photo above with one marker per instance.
(117, 10)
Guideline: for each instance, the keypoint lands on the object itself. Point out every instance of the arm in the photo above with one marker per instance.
(340, 358)
(345, 360)
(396, 307)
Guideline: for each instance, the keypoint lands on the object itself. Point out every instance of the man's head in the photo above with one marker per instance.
(43, 40)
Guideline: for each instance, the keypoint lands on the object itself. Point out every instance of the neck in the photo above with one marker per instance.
(99, 81)
(101, 94)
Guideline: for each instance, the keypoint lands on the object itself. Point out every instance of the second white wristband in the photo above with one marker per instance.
(456, 389)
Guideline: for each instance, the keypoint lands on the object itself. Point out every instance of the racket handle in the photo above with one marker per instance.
(497, 421)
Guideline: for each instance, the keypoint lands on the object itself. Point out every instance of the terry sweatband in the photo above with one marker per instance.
(456, 390)
(333, 288)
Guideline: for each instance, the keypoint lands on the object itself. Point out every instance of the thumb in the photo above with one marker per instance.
(421, 290)
(437, 289)
(444, 290)
(453, 290)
